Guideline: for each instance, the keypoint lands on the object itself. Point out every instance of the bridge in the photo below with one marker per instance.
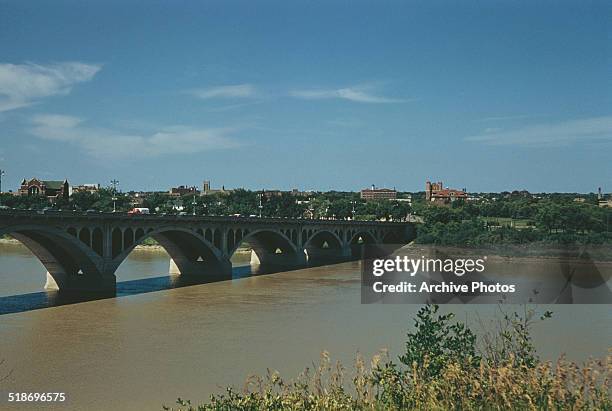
(82, 251)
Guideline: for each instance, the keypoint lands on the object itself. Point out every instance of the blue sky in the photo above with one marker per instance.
(490, 96)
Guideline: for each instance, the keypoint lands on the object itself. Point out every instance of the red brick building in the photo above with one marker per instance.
(437, 194)
(52, 189)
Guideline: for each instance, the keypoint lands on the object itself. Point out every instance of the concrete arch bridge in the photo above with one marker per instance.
(83, 251)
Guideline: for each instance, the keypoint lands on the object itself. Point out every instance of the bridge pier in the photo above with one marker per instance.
(268, 258)
(53, 283)
(60, 281)
(327, 255)
(219, 270)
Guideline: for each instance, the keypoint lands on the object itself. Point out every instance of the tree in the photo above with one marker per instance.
(437, 342)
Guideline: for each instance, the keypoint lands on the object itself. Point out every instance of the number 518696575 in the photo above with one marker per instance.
(36, 397)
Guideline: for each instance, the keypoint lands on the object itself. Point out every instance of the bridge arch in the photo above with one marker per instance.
(208, 235)
(85, 236)
(324, 246)
(70, 262)
(324, 239)
(97, 241)
(128, 237)
(362, 237)
(231, 240)
(358, 240)
(217, 238)
(270, 247)
(191, 252)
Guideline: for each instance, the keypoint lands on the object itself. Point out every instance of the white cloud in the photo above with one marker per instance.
(233, 91)
(553, 134)
(109, 144)
(355, 94)
(24, 84)
(359, 94)
(506, 118)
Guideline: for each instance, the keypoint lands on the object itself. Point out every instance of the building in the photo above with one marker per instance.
(601, 201)
(378, 193)
(86, 188)
(437, 194)
(271, 193)
(207, 190)
(407, 198)
(605, 203)
(183, 190)
(52, 189)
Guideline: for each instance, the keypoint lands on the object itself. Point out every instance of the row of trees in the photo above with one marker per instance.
(248, 203)
(553, 219)
(336, 205)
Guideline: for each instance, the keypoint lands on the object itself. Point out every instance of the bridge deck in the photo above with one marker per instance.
(52, 214)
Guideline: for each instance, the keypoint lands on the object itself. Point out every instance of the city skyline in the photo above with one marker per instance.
(497, 97)
(207, 185)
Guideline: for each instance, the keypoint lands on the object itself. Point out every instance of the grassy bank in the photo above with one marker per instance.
(444, 366)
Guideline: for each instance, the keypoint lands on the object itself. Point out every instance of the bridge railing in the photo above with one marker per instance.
(40, 214)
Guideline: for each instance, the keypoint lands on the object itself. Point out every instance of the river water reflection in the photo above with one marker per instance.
(144, 350)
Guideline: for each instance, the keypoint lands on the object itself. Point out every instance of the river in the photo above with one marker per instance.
(141, 350)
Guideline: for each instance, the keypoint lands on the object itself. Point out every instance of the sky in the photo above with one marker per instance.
(322, 95)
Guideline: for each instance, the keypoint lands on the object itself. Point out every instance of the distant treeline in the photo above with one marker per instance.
(553, 219)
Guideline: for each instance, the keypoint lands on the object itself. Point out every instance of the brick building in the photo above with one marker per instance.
(437, 194)
(183, 190)
(86, 188)
(378, 194)
(52, 189)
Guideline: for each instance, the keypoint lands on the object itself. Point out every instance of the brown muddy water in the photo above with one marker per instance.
(140, 351)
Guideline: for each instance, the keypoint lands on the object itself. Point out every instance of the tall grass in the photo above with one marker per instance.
(443, 368)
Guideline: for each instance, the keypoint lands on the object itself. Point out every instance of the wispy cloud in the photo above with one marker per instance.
(110, 144)
(231, 91)
(507, 118)
(24, 84)
(552, 134)
(357, 94)
(219, 109)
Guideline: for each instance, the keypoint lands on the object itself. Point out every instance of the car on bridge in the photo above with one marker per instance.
(139, 210)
